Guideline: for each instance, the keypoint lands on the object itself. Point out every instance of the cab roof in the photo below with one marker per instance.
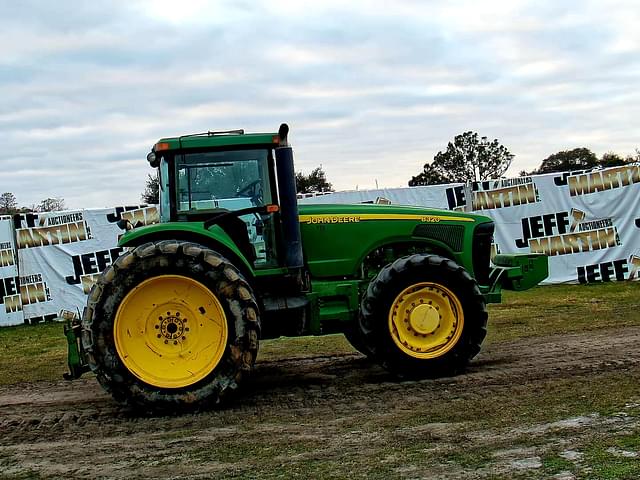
(216, 139)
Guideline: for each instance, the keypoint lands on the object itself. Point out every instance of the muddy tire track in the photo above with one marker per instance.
(80, 409)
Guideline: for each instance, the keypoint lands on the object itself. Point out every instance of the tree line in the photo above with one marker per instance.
(471, 158)
(581, 159)
(9, 205)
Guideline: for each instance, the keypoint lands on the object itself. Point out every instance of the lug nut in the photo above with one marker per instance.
(166, 341)
(159, 335)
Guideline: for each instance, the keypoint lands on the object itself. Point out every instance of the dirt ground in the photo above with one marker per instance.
(327, 417)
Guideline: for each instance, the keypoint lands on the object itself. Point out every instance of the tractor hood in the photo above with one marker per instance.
(341, 213)
(336, 238)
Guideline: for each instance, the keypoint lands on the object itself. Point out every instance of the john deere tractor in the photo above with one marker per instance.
(176, 321)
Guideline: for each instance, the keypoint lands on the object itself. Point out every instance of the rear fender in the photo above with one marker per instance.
(214, 238)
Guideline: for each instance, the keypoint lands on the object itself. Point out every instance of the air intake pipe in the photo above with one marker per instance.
(288, 201)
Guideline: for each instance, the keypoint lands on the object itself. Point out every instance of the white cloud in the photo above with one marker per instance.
(372, 90)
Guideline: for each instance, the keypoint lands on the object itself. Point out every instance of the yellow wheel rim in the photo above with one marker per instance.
(426, 320)
(170, 331)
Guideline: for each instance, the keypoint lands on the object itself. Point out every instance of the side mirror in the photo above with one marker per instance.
(153, 160)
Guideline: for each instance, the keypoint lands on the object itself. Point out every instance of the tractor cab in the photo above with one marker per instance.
(237, 181)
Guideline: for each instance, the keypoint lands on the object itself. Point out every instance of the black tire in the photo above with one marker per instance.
(195, 262)
(387, 286)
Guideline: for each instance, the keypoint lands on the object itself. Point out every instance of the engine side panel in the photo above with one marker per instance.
(336, 238)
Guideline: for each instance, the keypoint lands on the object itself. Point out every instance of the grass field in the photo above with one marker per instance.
(541, 420)
(31, 353)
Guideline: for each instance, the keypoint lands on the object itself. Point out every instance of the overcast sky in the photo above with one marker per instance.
(371, 89)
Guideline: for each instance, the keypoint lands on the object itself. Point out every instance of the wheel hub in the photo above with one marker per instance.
(424, 319)
(172, 327)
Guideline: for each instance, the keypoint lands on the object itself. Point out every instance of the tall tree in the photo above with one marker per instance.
(568, 160)
(428, 176)
(469, 158)
(51, 205)
(151, 192)
(611, 159)
(316, 181)
(8, 203)
(634, 158)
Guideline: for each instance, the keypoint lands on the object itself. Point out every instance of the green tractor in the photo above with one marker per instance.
(176, 321)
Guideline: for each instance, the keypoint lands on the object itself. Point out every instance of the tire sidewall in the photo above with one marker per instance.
(129, 273)
(403, 273)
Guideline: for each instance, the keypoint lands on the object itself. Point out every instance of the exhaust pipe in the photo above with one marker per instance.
(288, 200)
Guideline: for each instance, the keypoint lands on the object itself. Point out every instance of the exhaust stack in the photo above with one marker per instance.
(288, 200)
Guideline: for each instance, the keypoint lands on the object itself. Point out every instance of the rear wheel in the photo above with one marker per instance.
(423, 315)
(171, 326)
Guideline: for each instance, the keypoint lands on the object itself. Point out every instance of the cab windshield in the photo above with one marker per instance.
(229, 179)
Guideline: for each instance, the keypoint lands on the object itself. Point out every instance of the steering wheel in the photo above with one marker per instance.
(252, 190)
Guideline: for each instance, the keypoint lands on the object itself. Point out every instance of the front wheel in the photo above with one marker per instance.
(171, 326)
(423, 315)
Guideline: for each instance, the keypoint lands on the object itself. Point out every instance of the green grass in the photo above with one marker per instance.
(304, 347)
(32, 353)
(564, 309)
(606, 459)
(553, 463)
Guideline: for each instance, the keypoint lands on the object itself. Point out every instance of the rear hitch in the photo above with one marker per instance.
(75, 351)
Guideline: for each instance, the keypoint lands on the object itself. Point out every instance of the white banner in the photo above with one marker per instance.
(10, 304)
(586, 223)
(435, 196)
(62, 253)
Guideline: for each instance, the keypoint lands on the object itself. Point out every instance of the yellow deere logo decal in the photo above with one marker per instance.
(355, 218)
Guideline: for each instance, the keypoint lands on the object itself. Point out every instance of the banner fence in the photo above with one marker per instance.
(59, 257)
(587, 222)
